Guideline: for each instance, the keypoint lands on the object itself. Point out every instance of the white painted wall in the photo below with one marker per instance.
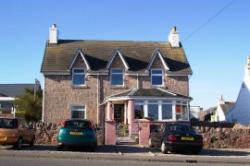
(220, 114)
(53, 34)
(241, 111)
(7, 98)
(174, 38)
(195, 112)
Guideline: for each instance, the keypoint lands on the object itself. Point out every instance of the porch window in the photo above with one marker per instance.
(117, 77)
(139, 110)
(153, 111)
(78, 78)
(78, 112)
(181, 110)
(166, 111)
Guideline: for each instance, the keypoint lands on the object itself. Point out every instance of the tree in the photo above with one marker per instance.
(29, 105)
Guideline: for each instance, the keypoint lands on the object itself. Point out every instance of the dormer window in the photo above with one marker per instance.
(157, 77)
(78, 77)
(117, 77)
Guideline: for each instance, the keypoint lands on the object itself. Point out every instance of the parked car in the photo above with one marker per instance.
(15, 131)
(175, 137)
(77, 133)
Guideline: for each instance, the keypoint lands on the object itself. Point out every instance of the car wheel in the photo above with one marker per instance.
(18, 144)
(150, 143)
(32, 142)
(163, 148)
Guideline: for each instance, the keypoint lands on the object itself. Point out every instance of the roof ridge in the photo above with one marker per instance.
(166, 91)
(119, 93)
(114, 40)
(132, 92)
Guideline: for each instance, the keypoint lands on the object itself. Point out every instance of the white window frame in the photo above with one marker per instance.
(160, 103)
(123, 75)
(181, 104)
(141, 103)
(84, 76)
(166, 103)
(154, 102)
(80, 110)
(162, 75)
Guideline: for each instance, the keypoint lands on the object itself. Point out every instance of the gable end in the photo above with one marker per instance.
(158, 54)
(81, 54)
(119, 54)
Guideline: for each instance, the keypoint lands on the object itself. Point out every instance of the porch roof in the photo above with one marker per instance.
(147, 93)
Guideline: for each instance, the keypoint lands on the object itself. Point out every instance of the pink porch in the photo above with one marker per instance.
(133, 108)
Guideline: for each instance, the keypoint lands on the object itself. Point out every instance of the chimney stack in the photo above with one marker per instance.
(174, 38)
(53, 34)
(221, 100)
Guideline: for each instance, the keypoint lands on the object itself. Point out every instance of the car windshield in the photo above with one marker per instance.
(7, 123)
(77, 124)
(180, 128)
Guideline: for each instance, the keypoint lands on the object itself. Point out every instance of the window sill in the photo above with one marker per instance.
(158, 86)
(79, 86)
(118, 87)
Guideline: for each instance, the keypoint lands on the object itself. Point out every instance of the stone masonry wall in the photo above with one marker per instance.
(60, 95)
(236, 137)
(46, 133)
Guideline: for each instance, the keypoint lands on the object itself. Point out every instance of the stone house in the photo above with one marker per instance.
(121, 81)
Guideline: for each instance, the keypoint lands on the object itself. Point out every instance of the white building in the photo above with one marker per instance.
(195, 112)
(223, 108)
(218, 113)
(241, 111)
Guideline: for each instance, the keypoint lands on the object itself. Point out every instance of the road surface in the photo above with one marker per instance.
(18, 161)
(122, 155)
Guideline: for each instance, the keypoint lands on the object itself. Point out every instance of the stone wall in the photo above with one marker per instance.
(46, 133)
(236, 137)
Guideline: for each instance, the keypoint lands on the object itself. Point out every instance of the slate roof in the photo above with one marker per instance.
(3, 95)
(153, 92)
(210, 110)
(14, 90)
(58, 57)
(227, 106)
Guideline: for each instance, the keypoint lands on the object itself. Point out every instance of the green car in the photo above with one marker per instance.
(77, 133)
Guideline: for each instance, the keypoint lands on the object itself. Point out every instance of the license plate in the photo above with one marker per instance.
(187, 138)
(75, 133)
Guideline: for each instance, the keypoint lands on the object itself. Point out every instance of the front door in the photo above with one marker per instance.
(121, 127)
(119, 113)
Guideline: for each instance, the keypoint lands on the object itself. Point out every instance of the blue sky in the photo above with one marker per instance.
(217, 53)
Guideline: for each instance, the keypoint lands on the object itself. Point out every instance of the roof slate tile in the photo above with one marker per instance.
(58, 57)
